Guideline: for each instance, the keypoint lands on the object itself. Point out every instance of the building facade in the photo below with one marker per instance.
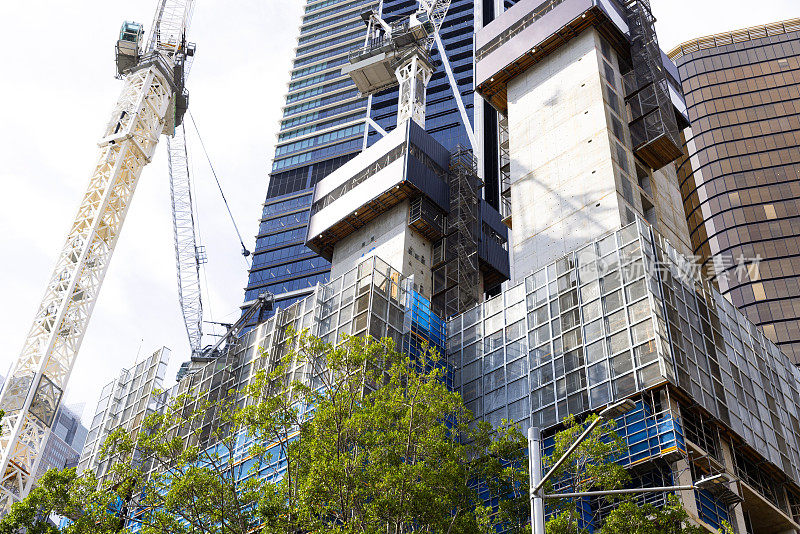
(594, 114)
(324, 125)
(626, 317)
(740, 178)
(417, 206)
(622, 317)
(66, 441)
(605, 302)
(124, 403)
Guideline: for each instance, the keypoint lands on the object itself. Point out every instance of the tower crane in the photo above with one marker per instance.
(189, 255)
(152, 102)
(398, 53)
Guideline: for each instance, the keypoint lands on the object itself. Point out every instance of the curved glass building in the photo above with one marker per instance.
(740, 177)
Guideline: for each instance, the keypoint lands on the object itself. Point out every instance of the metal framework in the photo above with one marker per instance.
(435, 11)
(413, 76)
(37, 381)
(504, 170)
(170, 21)
(33, 391)
(188, 255)
(456, 270)
(367, 118)
(404, 45)
(398, 53)
(653, 126)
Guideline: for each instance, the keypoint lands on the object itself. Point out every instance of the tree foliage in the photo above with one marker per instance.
(346, 439)
(358, 438)
(389, 449)
(644, 518)
(593, 467)
(66, 494)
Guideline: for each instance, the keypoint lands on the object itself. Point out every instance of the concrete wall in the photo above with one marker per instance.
(573, 173)
(563, 185)
(390, 238)
(669, 207)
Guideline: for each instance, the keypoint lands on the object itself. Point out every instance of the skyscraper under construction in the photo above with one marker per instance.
(325, 124)
(576, 133)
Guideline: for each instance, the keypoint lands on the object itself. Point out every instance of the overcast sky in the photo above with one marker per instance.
(57, 90)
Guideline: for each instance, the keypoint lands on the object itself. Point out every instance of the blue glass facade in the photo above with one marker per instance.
(442, 119)
(323, 126)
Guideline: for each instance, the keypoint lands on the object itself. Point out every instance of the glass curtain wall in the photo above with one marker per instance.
(740, 178)
(321, 128)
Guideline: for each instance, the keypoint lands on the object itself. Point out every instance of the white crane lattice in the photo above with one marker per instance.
(144, 110)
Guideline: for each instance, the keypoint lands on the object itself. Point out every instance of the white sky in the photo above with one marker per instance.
(57, 89)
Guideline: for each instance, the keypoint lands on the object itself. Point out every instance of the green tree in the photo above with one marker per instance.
(593, 467)
(644, 518)
(363, 438)
(164, 478)
(66, 494)
(389, 448)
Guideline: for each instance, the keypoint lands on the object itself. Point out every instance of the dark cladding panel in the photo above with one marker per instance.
(428, 181)
(429, 145)
(492, 218)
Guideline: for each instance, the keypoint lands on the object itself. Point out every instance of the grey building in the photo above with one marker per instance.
(66, 441)
(124, 403)
(595, 114)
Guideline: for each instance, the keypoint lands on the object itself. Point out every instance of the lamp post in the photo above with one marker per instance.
(537, 480)
(535, 470)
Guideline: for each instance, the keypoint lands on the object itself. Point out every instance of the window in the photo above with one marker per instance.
(319, 139)
(758, 291)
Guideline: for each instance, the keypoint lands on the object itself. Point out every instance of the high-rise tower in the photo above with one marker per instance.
(594, 116)
(590, 122)
(740, 178)
(323, 126)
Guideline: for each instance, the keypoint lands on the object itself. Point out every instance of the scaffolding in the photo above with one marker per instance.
(653, 126)
(654, 438)
(658, 475)
(427, 218)
(505, 170)
(456, 274)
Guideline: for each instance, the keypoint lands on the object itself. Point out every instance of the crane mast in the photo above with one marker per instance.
(398, 53)
(151, 103)
(188, 254)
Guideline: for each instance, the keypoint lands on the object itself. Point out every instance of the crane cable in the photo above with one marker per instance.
(245, 252)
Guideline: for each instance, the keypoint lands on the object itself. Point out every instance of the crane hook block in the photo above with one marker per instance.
(128, 46)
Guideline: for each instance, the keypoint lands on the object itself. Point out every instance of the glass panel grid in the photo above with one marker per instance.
(619, 317)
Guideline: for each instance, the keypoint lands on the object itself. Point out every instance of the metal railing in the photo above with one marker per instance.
(373, 44)
(735, 36)
(523, 23)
